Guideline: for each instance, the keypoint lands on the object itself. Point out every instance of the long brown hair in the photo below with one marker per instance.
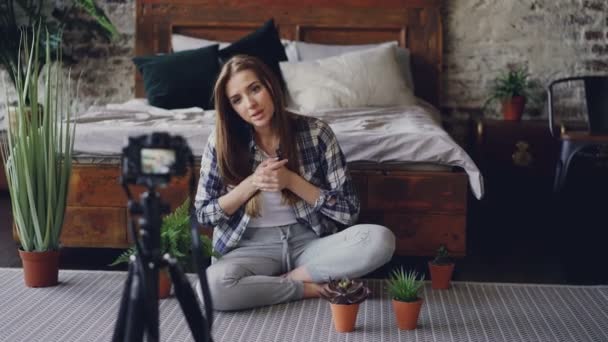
(233, 134)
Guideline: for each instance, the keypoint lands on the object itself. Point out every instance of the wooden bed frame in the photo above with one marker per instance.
(424, 209)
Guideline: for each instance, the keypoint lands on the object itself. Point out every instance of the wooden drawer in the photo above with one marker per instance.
(360, 184)
(98, 186)
(421, 234)
(175, 193)
(428, 192)
(95, 227)
(523, 149)
(422, 209)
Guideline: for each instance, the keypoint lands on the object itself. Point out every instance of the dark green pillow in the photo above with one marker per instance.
(264, 43)
(182, 79)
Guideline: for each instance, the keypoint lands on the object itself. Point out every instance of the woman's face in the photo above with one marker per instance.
(250, 99)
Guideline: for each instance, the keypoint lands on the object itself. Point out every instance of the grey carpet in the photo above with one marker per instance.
(84, 305)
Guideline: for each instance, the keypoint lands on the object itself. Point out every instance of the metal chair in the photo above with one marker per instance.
(596, 136)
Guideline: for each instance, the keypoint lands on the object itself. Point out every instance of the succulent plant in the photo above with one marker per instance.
(345, 291)
(442, 257)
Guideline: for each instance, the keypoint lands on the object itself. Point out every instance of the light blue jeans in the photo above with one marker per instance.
(250, 275)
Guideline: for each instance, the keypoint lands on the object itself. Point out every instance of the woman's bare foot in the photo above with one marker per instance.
(300, 273)
(312, 290)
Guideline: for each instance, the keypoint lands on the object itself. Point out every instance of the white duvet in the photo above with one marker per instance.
(409, 134)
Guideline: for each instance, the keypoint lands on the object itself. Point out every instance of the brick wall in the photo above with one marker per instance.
(105, 69)
(552, 38)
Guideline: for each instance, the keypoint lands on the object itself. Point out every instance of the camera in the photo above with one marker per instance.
(154, 158)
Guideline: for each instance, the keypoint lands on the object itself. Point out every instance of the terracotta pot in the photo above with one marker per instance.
(164, 284)
(513, 108)
(40, 269)
(406, 313)
(441, 275)
(344, 316)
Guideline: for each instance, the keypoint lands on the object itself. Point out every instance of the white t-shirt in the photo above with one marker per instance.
(273, 212)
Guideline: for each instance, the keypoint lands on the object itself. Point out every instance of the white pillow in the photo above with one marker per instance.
(356, 79)
(181, 43)
(311, 51)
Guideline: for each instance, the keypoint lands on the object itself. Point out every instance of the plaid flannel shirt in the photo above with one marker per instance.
(322, 164)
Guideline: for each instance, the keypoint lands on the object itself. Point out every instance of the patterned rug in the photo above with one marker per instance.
(84, 305)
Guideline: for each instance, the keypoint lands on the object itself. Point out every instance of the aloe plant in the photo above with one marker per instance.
(404, 286)
(37, 152)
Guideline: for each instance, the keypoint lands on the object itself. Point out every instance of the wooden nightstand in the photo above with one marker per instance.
(515, 155)
(517, 160)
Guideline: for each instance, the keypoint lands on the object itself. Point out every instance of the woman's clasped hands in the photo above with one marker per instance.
(271, 175)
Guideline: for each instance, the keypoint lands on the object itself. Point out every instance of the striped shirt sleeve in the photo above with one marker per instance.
(210, 189)
(339, 201)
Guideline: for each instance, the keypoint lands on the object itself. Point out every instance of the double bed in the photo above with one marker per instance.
(410, 175)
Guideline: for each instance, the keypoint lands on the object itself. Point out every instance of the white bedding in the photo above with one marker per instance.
(382, 135)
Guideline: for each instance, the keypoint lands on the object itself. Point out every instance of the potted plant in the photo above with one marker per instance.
(403, 288)
(441, 269)
(511, 89)
(175, 240)
(37, 156)
(344, 296)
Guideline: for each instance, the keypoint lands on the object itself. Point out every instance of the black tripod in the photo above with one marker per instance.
(138, 312)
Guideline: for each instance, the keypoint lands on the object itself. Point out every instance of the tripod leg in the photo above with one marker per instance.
(129, 324)
(119, 328)
(199, 326)
(150, 304)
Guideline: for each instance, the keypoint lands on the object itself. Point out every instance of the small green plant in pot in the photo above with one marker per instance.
(511, 89)
(37, 156)
(403, 287)
(442, 268)
(175, 240)
(344, 296)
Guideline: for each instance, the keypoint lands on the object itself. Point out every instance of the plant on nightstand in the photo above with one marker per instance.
(441, 269)
(403, 287)
(511, 89)
(175, 240)
(37, 156)
(344, 296)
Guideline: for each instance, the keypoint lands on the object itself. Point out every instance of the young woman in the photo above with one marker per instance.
(274, 185)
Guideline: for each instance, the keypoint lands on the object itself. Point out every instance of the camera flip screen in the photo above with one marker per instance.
(157, 161)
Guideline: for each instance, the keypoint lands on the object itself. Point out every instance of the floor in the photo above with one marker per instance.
(522, 262)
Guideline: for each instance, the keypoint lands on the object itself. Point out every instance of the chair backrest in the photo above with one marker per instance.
(596, 93)
(596, 96)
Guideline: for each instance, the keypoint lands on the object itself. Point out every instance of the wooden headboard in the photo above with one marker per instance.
(415, 24)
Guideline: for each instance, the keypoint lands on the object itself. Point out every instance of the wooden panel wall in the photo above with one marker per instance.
(415, 24)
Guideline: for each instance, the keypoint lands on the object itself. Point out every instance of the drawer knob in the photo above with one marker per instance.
(521, 156)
